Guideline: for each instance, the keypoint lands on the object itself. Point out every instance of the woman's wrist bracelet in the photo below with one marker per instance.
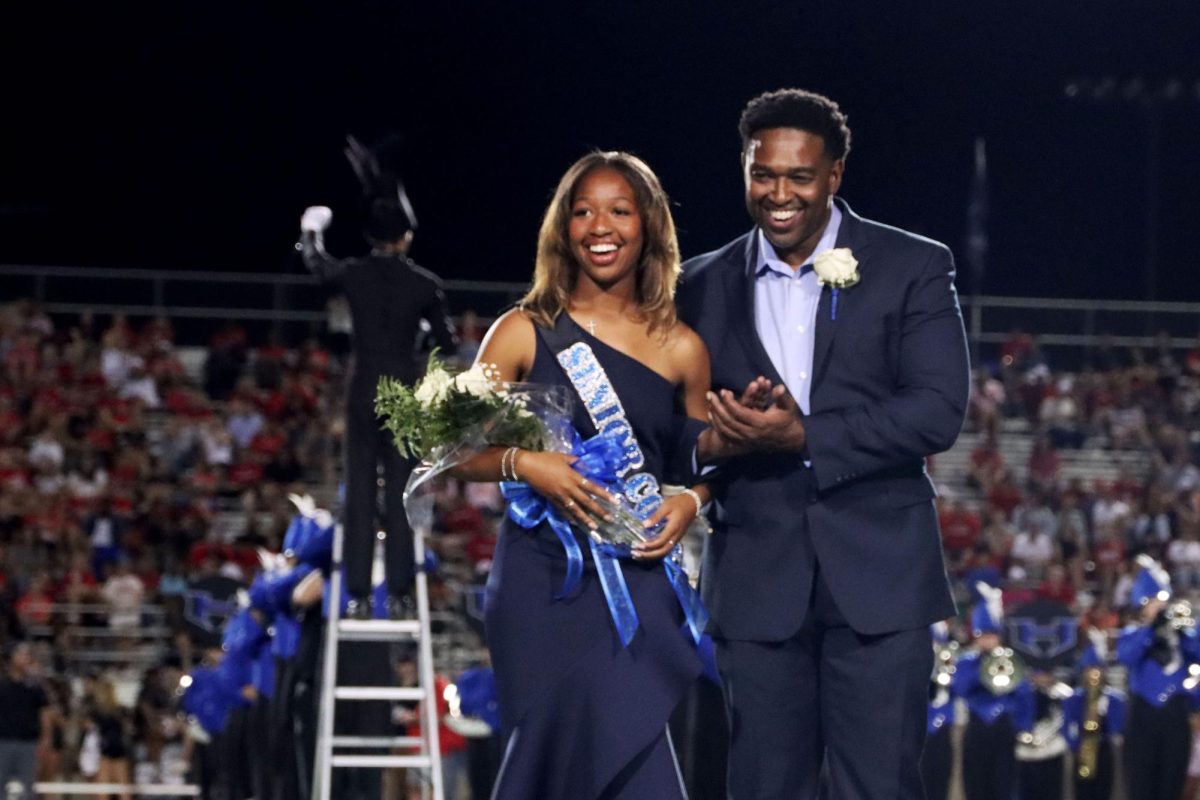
(508, 473)
(692, 493)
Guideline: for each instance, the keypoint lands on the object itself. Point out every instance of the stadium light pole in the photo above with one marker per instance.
(1151, 99)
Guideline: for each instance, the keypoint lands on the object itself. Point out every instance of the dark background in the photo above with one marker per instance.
(191, 135)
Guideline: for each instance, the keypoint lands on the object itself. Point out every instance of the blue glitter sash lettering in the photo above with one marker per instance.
(641, 489)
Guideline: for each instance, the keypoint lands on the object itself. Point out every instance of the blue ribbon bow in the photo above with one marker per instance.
(599, 459)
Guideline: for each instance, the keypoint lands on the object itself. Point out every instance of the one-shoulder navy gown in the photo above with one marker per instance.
(584, 717)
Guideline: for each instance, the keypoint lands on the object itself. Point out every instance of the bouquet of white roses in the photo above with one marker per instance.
(448, 417)
(447, 412)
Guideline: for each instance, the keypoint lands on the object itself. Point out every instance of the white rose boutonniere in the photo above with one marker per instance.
(837, 268)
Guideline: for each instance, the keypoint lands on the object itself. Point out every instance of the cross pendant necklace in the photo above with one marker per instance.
(592, 327)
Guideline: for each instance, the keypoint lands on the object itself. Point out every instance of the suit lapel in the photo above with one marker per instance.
(740, 286)
(849, 235)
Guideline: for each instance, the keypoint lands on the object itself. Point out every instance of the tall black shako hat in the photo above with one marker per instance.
(387, 212)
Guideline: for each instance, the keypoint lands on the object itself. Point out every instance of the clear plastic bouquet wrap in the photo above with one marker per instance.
(449, 417)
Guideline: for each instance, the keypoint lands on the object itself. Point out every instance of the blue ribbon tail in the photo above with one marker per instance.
(620, 604)
(574, 555)
(833, 308)
(528, 509)
(693, 607)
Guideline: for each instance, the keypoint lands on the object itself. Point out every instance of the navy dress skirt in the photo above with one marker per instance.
(584, 717)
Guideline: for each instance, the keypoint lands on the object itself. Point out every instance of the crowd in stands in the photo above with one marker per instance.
(1043, 533)
(122, 477)
(126, 472)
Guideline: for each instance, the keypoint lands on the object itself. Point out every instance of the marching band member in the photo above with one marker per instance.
(1157, 653)
(937, 759)
(1042, 751)
(1094, 716)
(999, 700)
(392, 300)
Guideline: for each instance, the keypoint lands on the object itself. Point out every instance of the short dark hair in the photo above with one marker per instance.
(800, 109)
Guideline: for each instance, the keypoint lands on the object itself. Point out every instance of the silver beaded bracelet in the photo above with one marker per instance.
(505, 469)
(692, 493)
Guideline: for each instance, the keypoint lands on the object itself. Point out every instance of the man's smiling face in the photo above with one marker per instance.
(790, 182)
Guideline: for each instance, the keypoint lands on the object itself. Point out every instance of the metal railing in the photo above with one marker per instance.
(82, 789)
(194, 294)
(280, 299)
(1081, 323)
(89, 638)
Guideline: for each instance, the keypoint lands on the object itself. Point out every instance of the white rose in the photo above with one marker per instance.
(474, 382)
(836, 267)
(433, 388)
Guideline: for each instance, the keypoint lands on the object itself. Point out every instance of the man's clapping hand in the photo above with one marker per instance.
(765, 417)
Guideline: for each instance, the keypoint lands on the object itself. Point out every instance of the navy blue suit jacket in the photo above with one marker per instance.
(890, 383)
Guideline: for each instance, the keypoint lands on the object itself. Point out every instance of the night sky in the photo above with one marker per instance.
(191, 135)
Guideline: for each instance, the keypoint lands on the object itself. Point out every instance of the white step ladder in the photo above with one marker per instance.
(429, 757)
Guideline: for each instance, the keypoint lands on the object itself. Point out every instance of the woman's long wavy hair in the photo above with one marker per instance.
(556, 269)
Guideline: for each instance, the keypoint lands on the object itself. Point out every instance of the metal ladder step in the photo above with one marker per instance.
(422, 762)
(377, 741)
(378, 630)
(428, 757)
(379, 693)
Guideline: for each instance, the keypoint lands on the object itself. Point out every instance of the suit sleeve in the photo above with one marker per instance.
(1024, 708)
(1189, 643)
(441, 327)
(1133, 645)
(317, 260)
(924, 414)
(1116, 714)
(965, 677)
(681, 467)
(1072, 711)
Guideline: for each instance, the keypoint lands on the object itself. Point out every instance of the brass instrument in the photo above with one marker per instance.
(944, 658)
(1089, 735)
(1179, 616)
(1044, 730)
(1000, 671)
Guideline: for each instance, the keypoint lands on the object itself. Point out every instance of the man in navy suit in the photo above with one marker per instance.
(824, 569)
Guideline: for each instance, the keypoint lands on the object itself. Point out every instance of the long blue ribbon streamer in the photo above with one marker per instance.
(616, 592)
(597, 459)
(693, 607)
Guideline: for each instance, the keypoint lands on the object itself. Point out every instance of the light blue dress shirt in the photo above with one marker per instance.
(785, 311)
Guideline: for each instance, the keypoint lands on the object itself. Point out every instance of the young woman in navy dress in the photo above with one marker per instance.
(584, 716)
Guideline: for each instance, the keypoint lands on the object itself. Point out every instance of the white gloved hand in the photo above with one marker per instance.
(316, 219)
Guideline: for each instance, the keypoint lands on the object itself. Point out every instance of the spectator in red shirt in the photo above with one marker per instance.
(246, 474)
(986, 464)
(1044, 464)
(1005, 495)
(1056, 586)
(36, 604)
(960, 527)
(269, 441)
(1109, 554)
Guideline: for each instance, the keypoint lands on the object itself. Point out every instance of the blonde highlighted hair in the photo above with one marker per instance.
(556, 269)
